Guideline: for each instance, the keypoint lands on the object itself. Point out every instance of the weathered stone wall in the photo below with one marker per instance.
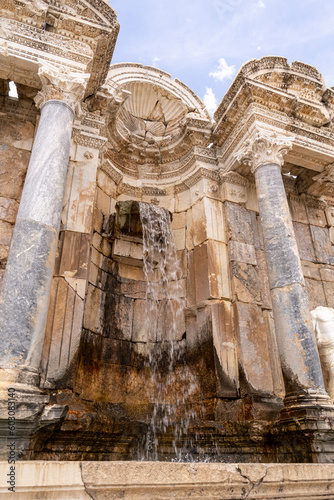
(313, 222)
(16, 138)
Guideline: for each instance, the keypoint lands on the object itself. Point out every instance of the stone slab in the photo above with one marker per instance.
(225, 348)
(241, 252)
(322, 244)
(253, 348)
(165, 480)
(72, 255)
(211, 271)
(304, 241)
(246, 283)
(242, 225)
(315, 292)
(297, 209)
(207, 221)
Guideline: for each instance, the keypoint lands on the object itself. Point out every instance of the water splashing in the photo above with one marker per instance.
(170, 380)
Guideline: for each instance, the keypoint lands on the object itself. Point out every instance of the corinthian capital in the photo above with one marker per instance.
(264, 148)
(61, 84)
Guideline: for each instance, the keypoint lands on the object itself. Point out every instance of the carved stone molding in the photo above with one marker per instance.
(264, 148)
(62, 85)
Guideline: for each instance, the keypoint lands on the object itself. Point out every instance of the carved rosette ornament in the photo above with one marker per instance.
(61, 84)
(264, 148)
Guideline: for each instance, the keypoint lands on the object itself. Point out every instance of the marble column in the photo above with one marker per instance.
(26, 287)
(295, 337)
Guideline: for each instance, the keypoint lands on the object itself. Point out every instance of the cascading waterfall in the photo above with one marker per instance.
(170, 380)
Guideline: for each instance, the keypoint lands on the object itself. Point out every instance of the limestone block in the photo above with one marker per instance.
(322, 244)
(6, 231)
(316, 216)
(93, 274)
(246, 284)
(101, 244)
(13, 167)
(171, 323)
(241, 252)
(179, 220)
(315, 292)
(85, 154)
(297, 209)
(226, 359)
(211, 271)
(103, 201)
(252, 202)
(63, 331)
(72, 255)
(182, 201)
(96, 257)
(275, 363)
(131, 272)
(167, 202)
(182, 257)
(191, 330)
(105, 183)
(327, 274)
(97, 220)
(118, 317)
(79, 197)
(242, 225)
(78, 285)
(189, 230)
(140, 331)
(125, 250)
(94, 309)
(8, 209)
(329, 293)
(253, 348)
(330, 216)
(204, 187)
(191, 284)
(304, 241)
(207, 221)
(133, 289)
(331, 234)
(180, 238)
(235, 193)
(311, 270)
(16, 133)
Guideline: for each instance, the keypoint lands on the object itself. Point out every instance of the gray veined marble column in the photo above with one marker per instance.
(27, 282)
(295, 337)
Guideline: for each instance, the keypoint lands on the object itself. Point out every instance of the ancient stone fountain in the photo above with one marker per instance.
(160, 267)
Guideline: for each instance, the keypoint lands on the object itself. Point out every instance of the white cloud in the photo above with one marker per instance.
(223, 72)
(210, 100)
(261, 4)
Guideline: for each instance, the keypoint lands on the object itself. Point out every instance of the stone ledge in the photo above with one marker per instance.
(166, 480)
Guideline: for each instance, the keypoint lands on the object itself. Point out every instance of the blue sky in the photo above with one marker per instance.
(204, 42)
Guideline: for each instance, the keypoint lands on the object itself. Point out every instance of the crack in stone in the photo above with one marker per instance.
(253, 485)
(83, 482)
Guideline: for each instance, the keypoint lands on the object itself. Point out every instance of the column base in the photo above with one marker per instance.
(25, 413)
(305, 430)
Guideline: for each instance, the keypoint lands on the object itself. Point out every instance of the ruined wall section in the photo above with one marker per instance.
(313, 224)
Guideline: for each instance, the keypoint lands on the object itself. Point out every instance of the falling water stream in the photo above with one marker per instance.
(171, 381)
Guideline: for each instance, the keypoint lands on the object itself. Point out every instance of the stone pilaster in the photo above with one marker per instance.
(28, 277)
(297, 345)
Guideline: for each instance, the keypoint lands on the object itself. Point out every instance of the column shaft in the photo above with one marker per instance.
(296, 340)
(27, 281)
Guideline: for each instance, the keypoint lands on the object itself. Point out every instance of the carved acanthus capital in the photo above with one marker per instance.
(264, 148)
(61, 84)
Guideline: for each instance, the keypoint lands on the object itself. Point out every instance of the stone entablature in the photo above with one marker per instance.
(80, 36)
(287, 99)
